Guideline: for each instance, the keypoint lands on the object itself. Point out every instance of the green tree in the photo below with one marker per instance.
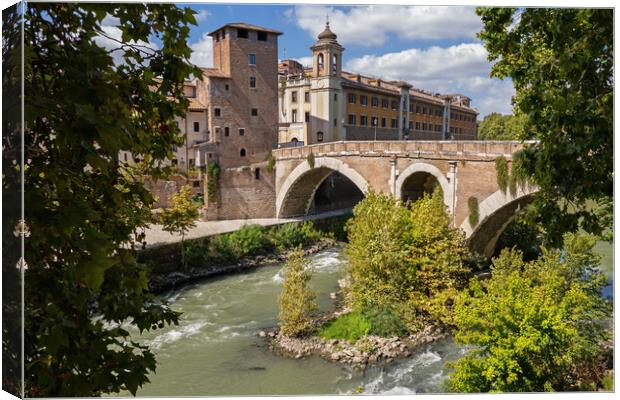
(408, 260)
(561, 63)
(496, 126)
(535, 326)
(297, 302)
(83, 286)
(181, 217)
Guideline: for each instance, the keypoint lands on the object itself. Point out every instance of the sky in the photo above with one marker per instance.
(434, 48)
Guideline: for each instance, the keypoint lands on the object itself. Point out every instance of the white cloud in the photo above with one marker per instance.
(461, 68)
(305, 61)
(202, 52)
(371, 25)
(111, 39)
(201, 16)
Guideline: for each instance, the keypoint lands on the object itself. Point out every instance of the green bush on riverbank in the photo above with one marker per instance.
(248, 241)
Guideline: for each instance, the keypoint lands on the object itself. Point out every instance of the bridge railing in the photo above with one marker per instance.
(478, 148)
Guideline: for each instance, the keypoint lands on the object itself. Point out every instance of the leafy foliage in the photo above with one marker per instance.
(85, 209)
(501, 169)
(501, 127)
(474, 211)
(248, 240)
(409, 260)
(181, 217)
(271, 162)
(213, 177)
(294, 234)
(310, 159)
(523, 235)
(561, 63)
(297, 301)
(351, 327)
(535, 326)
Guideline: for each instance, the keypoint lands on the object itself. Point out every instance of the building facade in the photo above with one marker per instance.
(322, 103)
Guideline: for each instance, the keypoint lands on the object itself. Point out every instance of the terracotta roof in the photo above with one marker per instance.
(244, 25)
(214, 73)
(195, 104)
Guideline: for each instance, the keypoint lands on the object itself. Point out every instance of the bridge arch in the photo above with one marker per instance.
(422, 168)
(496, 212)
(296, 193)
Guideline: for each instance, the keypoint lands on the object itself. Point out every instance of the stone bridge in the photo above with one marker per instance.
(406, 169)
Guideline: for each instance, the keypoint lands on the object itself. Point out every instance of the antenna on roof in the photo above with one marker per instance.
(327, 19)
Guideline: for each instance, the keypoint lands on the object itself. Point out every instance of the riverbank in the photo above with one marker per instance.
(160, 283)
(367, 351)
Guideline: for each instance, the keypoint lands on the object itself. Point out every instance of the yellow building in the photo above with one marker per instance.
(322, 103)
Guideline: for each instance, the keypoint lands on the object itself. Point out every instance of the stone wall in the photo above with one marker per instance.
(240, 195)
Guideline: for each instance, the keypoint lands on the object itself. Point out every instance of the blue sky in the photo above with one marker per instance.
(435, 48)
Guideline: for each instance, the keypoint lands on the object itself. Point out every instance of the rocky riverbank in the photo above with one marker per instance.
(361, 354)
(159, 283)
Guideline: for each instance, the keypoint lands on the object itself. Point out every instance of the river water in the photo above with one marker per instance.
(215, 349)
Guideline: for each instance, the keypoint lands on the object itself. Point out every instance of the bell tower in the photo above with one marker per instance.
(326, 90)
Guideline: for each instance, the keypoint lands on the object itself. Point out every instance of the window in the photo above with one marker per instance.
(410, 125)
(242, 153)
(257, 173)
(294, 97)
(383, 122)
(437, 128)
(352, 98)
(394, 105)
(417, 126)
(418, 109)
(394, 123)
(364, 100)
(438, 112)
(334, 64)
(226, 87)
(242, 33)
(254, 112)
(335, 96)
(307, 97)
(226, 131)
(351, 119)
(410, 107)
(217, 37)
(196, 126)
(241, 131)
(253, 82)
(252, 59)
(424, 126)
(363, 120)
(195, 183)
(125, 157)
(319, 136)
(307, 116)
(262, 36)
(335, 121)
(294, 116)
(374, 101)
(385, 103)
(319, 61)
(217, 112)
(423, 110)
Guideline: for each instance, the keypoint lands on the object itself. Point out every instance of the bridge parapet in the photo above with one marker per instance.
(440, 149)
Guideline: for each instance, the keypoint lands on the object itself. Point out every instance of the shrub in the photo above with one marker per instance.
(297, 302)
(474, 212)
(197, 253)
(271, 162)
(221, 249)
(351, 327)
(385, 322)
(250, 239)
(534, 326)
(501, 168)
(310, 160)
(213, 176)
(410, 260)
(291, 235)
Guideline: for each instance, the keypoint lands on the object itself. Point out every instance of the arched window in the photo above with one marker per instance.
(242, 153)
(319, 61)
(319, 136)
(334, 64)
(294, 140)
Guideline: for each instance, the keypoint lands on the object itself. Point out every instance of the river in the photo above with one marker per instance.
(215, 349)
